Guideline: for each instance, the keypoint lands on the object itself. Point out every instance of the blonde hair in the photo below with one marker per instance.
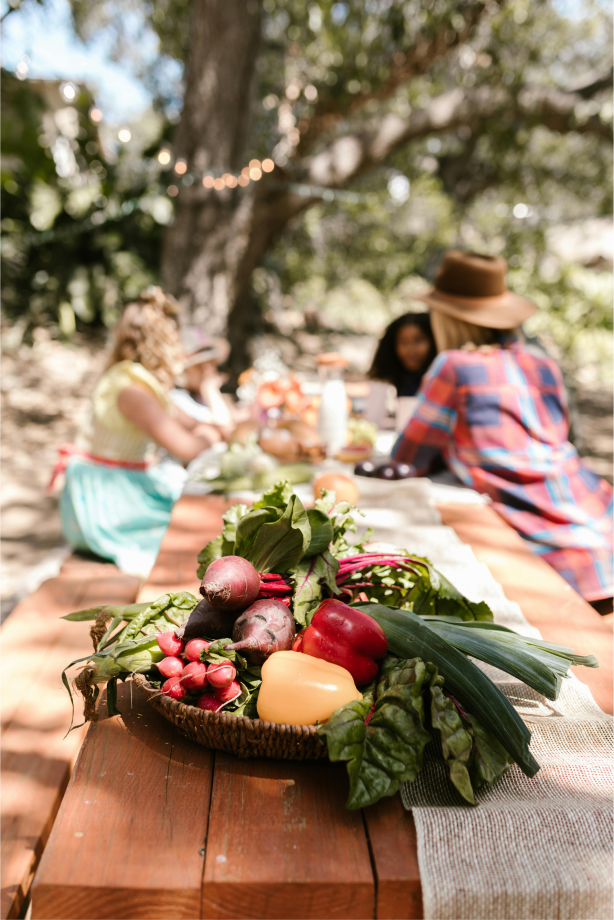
(451, 333)
(148, 333)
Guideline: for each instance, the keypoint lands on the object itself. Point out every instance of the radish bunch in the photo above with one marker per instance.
(186, 674)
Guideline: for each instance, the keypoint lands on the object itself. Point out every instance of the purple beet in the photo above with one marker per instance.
(230, 583)
(207, 622)
(265, 627)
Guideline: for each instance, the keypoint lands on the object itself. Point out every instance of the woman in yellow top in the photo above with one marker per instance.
(118, 495)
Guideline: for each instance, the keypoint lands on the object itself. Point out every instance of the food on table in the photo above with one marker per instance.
(221, 674)
(244, 430)
(174, 688)
(353, 453)
(344, 488)
(228, 693)
(207, 620)
(208, 702)
(300, 690)
(170, 643)
(195, 648)
(365, 468)
(194, 676)
(361, 438)
(265, 627)
(170, 666)
(349, 599)
(345, 636)
(280, 443)
(230, 583)
(390, 469)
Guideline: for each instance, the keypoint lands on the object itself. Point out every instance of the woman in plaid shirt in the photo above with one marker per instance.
(497, 410)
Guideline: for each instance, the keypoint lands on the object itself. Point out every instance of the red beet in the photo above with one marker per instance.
(222, 674)
(230, 583)
(229, 693)
(172, 687)
(265, 627)
(194, 648)
(170, 643)
(194, 676)
(209, 702)
(171, 666)
(208, 622)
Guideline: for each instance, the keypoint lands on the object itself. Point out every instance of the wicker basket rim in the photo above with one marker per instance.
(224, 718)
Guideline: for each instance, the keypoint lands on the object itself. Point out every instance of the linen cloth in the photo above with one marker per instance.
(501, 420)
(120, 514)
(532, 849)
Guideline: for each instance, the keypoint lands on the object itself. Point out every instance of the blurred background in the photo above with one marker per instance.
(292, 171)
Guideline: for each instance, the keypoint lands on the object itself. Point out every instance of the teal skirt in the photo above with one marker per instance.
(120, 514)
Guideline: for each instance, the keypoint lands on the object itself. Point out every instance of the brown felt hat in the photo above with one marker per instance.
(471, 287)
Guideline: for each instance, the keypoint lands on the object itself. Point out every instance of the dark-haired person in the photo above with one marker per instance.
(404, 353)
(497, 409)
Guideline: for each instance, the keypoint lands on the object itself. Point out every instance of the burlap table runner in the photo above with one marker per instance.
(533, 849)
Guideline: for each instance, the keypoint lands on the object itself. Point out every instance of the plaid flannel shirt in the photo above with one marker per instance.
(500, 419)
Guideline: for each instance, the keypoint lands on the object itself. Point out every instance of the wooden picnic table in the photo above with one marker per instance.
(153, 825)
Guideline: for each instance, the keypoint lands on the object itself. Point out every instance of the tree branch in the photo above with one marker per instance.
(427, 50)
(354, 154)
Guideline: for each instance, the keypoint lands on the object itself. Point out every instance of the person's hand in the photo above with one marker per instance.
(208, 432)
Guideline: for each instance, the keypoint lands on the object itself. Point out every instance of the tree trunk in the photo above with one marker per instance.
(209, 250)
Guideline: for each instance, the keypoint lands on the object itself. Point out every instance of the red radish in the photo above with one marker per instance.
(171, 666)
(222, 674)
(169, 643)
(194, 676)
(208, 701)
(172, 687)
(230, 583)
(229, 693)
(194, 648)
(265, 627)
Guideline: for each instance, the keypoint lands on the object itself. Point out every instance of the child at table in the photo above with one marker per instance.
(497, 410)
(118, 494)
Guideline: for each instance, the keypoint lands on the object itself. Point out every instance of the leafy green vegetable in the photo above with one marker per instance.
(409, 636)
(388, 750)
(308, 577)
(341, 515)
(126, 613)
(217, 652)
(433, 594)
(208, 554)
(277, 496)
(456, 741)
(321, 532)
(272, 543)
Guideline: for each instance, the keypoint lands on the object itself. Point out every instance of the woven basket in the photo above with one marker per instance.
(236, 734)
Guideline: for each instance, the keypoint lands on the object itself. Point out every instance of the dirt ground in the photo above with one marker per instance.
(45, 394)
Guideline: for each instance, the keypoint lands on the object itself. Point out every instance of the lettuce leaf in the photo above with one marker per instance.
(277, 496)
(274, 542)
(321, 532)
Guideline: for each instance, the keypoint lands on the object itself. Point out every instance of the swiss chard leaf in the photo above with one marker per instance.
(275, 544)
(489, 759)
(388, 750)
(410, 636)
(321, 532)
(308, 578)
(341, 516)
(456, 741)
(433, 594)
(231, 519)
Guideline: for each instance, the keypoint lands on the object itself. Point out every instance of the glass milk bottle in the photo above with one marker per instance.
(333, 415)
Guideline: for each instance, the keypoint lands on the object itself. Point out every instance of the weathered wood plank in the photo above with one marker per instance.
(545, 598)
(36, 758)
(127, 837)
(281, 843)
(392, 837)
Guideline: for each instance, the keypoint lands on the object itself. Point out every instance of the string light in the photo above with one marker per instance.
(255, 174)
(268, 166)
(68, 91)
(164, 157)
(124, 135)
(96, 115)
(181, 167)
(172, 190)
(208, 181)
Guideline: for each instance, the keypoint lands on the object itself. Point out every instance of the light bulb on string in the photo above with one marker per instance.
(164, 157)
(96, 115)
(255, 174)
(231, 181)
(243, 180)
(254, 164)
(124, 135)
(68, 91)
(219, 184)
(268, 166)
(172, 190)
(208, 181)
(181, 167)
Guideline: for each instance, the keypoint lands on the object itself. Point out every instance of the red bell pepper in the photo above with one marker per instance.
(345, 636)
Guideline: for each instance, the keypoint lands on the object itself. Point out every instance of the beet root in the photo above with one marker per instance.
(207, 622)
(230, 583)
(265, 627)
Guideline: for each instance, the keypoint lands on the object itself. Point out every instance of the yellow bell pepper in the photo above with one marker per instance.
(298, 689)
